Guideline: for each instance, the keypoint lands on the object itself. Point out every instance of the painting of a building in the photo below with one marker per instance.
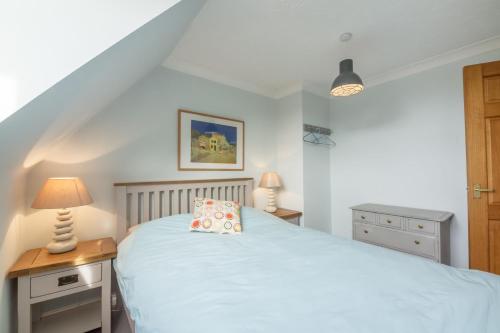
(213, 143)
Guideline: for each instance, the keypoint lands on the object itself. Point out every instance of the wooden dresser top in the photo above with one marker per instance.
(39, 260)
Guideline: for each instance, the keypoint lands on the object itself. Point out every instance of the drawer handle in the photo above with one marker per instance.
(417, 242)
(366, 231)
(389, 221)
(420, 226)
(363, 217)
(69, 279)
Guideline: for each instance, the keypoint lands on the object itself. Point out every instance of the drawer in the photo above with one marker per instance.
(50, 283)
(366, 217)
(391, 221)
(423, 245)
(399, 240)
(422, 226)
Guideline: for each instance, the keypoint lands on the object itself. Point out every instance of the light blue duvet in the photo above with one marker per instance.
(276, 277)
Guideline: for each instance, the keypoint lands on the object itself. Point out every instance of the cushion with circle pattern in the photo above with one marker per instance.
(216, 216)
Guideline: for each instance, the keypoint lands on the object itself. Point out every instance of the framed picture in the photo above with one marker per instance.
(207, 142)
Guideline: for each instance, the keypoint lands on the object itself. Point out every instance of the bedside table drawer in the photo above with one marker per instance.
(63, 280)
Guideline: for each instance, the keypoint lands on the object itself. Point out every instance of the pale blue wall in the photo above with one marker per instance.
(403, 143)
(135, 139)
(289, 152)
(317, 189)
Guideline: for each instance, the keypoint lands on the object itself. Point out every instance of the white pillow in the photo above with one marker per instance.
(216, 216)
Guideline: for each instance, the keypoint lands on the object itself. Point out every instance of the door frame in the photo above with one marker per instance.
(477, 159)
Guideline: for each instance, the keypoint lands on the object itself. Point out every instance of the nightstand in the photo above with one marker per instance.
(60, 292)
(291, 216)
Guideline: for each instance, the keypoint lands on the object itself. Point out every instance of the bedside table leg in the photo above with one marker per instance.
(106, 297)
(23, 305)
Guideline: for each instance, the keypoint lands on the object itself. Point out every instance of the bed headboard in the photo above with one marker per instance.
(141, 202)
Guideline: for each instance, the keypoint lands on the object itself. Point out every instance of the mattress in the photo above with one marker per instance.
(276, 277)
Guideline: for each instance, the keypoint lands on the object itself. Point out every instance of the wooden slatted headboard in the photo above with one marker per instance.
(141, 202)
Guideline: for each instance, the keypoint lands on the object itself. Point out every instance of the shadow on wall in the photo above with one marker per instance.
(98, 166)
(92, 87)
(89, 223)
(8, 254)
(143, 155)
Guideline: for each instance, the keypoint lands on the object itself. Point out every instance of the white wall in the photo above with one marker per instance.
(289, 153)
(304, 168)
(136, 139)
(43, 42)
(316, 161)
(403, 143)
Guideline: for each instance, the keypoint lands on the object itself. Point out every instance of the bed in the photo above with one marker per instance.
(277, 277)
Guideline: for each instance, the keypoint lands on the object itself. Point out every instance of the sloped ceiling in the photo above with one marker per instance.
(44, 41)
(269, 46)
(27, 135)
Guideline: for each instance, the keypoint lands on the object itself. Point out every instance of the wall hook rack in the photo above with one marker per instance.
(318, 135)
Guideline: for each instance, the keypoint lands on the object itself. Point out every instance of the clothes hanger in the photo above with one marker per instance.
(318, 135)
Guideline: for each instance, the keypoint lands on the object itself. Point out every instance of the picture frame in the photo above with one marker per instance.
(207, 142)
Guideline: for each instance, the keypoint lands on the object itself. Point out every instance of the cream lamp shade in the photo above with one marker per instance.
(271, 181)
(62, 193)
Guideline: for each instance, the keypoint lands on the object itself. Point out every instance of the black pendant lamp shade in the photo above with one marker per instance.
(347, 83)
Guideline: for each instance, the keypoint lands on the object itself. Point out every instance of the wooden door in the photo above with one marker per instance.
(482, 122)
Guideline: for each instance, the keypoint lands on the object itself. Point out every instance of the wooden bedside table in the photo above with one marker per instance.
(43, 277)
(291, 216)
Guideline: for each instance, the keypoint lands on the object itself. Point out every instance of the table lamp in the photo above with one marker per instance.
(61, 194)
(271, 181)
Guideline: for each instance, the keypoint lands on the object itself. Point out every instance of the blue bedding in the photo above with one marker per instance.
(276, 277)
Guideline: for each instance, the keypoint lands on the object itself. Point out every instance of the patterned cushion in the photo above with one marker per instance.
(216, 216)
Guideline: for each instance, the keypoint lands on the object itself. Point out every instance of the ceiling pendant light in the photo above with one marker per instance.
(347, 83)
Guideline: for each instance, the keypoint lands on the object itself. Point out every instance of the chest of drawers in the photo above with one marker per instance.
(421, 232)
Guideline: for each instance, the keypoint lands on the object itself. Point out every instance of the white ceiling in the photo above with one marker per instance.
(274, 46)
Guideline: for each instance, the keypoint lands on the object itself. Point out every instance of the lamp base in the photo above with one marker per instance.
(62, 246)
(270, 209)
(63, 240)
(271, 200)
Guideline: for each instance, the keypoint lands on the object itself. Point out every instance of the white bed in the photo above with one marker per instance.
(276, 277)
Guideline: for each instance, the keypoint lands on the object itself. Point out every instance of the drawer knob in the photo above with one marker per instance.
(363, 217)
(420, 226)
(417, 242)
(366, 231)
(65, 280)
(389, 221)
